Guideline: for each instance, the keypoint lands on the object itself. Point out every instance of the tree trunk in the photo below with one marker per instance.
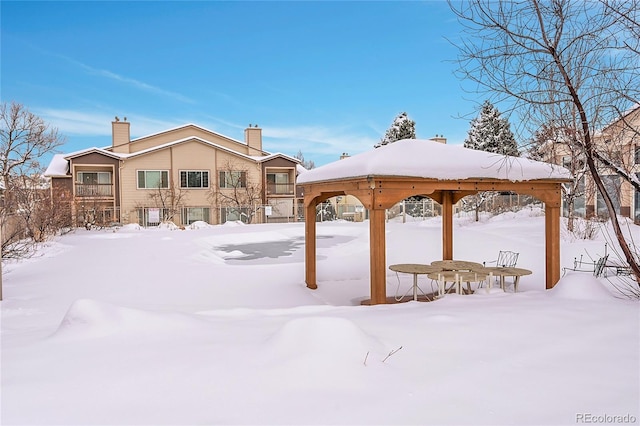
(589, 155)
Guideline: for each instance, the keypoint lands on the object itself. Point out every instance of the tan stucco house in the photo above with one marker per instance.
(183, 175)
(619, 141)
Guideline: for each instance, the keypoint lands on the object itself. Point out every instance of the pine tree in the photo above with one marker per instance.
(492, 133)
(401, 128)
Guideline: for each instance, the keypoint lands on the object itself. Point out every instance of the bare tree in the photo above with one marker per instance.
(24, 139)
(578, 57)
(32, 203)
(237, 192)
(169, 200)
(307, 164)
(555, 141)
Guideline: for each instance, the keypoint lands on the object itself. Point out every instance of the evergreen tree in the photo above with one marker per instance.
(492, 133)
(401, 128)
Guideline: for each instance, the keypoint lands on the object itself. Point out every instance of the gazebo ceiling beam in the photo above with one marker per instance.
(389, 190)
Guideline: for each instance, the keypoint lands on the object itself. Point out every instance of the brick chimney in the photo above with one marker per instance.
(120, 136)
(253, 139)
(439, 138)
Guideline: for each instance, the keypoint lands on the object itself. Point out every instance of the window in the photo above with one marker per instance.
(153, 179)
(232, 179)
(612, 186)
(93, 184)
(278, 183)
(93, 178)
(194, 179)
(194, 214)
(636, 156)
(152, 216)
(232, 214)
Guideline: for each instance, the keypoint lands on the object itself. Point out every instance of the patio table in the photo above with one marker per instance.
(415, 269)
(457, 278)
(456, 265)
(503, 272)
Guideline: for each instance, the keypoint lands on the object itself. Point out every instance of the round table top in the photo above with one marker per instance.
(461, 275)
(414, 268)
(506, 271)
(456, 265)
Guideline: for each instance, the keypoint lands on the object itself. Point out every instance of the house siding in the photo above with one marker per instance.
(187, 132)
(618, 140)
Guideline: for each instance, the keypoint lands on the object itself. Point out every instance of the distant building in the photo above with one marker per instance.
(184, 174)
(620, 141)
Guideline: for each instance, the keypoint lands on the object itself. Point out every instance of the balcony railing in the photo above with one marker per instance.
(280, 189)
(94, 190)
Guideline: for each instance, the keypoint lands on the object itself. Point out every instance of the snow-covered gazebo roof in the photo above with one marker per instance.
(435, 160)
(446, 173)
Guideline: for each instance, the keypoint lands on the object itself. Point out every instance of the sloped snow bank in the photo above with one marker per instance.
(325, 339)
(580, 286)
(88, 318)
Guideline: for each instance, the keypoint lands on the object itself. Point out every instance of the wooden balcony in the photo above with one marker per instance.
(280, 188)
(99, 190)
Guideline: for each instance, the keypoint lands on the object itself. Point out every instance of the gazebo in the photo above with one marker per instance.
(446, 173)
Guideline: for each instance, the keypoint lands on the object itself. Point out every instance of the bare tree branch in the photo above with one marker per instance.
(560, 57)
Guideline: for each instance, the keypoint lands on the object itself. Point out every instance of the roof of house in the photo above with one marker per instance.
(59, 165)
(434, 160)
(189, 125)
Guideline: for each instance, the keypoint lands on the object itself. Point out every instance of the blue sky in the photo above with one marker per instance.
(321, 77)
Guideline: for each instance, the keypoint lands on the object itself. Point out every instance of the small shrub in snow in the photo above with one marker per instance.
(199, 224)
(168, 225)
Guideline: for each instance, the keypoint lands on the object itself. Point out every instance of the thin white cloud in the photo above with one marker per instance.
(129, 81)
(315, 140)
(76, 122)
(81, 123)
(320, 144)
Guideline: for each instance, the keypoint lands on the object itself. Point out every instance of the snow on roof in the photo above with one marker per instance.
(185, 126)
(263, 158)
(187, 139)
(300, 169)
(434, 160)
(59, 166)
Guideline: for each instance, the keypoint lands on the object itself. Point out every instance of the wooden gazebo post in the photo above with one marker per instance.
(447, 225)
(552, 243)
(377, 255)
(310, 243)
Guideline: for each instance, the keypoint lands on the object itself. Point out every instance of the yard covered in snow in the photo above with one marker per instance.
(214, 325)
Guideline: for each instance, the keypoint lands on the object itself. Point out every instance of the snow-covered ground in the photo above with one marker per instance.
(214, 325)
